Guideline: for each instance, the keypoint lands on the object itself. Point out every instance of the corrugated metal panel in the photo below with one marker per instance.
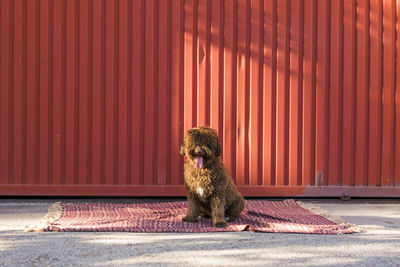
(95, 95)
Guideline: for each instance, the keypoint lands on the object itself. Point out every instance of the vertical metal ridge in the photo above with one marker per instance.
(63, 91)
(88, 105)
(50, 93)
(216, 67)
(77, 89)
(109, 90)
(375, 112)
(308, 96)
(176, 83)
(189, 64)
(260, 92)
(142, 88)
(393, 21)
(103, 94)
(314, 95)
(175, 53)
(227, 86)
(43, 90)
(70, 80)
(367, 83)
(301, 90)
(240, 94)
(247, 95)
(37, 94)
(1, 69)
(348, 93)
(397, 96)
(294, 92)
(274, 89)
(1, 89)
(181, 80)
(362, 78)
(354, 86)
(388, 93)
(82, 90)
(129, 96)
(203, 56)
(168, 137)
(116, 93)
(397, 99)
(395, 37)
(221, 46)
(293, 95)
(18, 91)
(380, 56)
(295, 110)
(327, 84)
(81, 94)
(24, 90)
(121, 105)
(255, 122)
(287, 91)
(55, 92)
(4, 89)
(285, 101)
(195, 65)
(162, 91)
(30, 93)
(135, 40)
(208, 60)
(221, 67)
(11, 96)
(90, 94)
(341, 65)
(97, 78)
(274, 77)
(283, 95)
(156, 89)
(322, 93)
(335, 94)
(149, 91)
(234, 88)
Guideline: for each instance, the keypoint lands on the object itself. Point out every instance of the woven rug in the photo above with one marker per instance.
(286, 216)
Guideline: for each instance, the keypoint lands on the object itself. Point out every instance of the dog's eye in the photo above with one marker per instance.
(192, 153)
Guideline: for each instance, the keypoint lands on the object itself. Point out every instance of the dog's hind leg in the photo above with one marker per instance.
(235, 208)
(193, 212)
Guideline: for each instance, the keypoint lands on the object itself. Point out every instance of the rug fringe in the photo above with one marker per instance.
(53, 213)
(335, 219)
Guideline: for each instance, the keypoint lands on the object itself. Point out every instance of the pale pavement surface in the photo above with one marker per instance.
(378, 245)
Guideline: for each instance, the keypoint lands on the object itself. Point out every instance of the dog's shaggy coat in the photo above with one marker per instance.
(210, 189)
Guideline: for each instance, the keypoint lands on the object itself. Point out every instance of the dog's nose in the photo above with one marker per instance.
(198, 151)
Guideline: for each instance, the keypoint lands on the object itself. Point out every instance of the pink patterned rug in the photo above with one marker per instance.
(286, 216)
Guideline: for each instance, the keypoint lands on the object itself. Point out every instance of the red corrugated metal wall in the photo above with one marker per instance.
(95, 95)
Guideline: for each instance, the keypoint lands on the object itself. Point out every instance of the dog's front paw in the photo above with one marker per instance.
(220, 224)
(189, 219)
(229, 219)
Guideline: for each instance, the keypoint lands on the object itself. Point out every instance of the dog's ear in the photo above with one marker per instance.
(218, 150)
(182, 151)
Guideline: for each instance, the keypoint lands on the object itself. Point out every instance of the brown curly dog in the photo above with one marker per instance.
(210, 189)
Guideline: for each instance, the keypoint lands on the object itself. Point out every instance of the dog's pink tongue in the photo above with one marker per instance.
(199, 162)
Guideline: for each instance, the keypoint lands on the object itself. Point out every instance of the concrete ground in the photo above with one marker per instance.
(378, 245)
